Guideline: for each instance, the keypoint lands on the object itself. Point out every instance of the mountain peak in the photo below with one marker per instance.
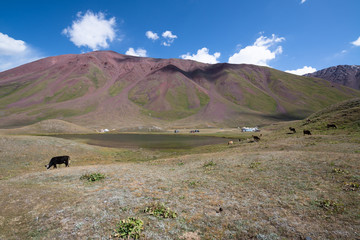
(347, 75)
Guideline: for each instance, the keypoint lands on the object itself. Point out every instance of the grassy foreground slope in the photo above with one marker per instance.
(287, 186)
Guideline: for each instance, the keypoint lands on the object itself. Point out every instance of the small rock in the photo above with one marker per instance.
(219, 210)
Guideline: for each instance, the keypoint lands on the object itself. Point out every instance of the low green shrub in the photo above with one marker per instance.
(159, 210)
(351, 186)
(209, 164)
(92, 177)
(330, 206)
(340, 171)
(129, 228)
(193, 184)
(254, 165)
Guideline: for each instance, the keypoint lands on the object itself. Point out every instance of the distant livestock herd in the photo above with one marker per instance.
(307, 132)
(255, 139)
(292, 130)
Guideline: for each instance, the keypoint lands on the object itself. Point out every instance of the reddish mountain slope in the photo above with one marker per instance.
(107, 89)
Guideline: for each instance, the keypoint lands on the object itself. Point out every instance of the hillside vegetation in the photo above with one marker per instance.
(108, 90)
(345, 115)
(47, 127)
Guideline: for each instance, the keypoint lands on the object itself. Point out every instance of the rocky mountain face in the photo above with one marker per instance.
(105, 89)
(347, 75)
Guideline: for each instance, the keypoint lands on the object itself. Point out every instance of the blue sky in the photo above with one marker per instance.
(282, 34)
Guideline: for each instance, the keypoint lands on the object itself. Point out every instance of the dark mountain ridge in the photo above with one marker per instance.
(347, 75)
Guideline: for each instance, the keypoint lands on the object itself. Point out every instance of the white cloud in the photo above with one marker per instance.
(202, 55)
(168, 34)
(340, 54)
(10, 46)
(138, 52)
(151, 35)
(302, 1)
(14, 53)
(169, 37)
(302, 71)
(356, 42)
(260, 53)
(91, 30)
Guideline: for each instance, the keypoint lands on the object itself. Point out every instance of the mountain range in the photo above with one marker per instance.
(347, 75)
(104, 89)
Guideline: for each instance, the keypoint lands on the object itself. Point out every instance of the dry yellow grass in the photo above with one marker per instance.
(266, 190)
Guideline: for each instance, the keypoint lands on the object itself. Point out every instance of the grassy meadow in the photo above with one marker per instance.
(285, 186)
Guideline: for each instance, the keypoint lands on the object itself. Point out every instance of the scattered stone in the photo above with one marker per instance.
(219, 210)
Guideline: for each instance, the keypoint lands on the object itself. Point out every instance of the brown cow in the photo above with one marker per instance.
(307, 132)
(256, 138)
(331, 125)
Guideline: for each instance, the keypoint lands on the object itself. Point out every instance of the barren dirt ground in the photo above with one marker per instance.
(286, 186)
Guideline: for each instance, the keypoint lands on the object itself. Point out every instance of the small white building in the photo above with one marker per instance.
(250, 129)
(103, 130)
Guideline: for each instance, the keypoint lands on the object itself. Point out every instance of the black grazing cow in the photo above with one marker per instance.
(331, 125)
(292, 129)
(256, 138)
(58, 160)
(307, 132)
